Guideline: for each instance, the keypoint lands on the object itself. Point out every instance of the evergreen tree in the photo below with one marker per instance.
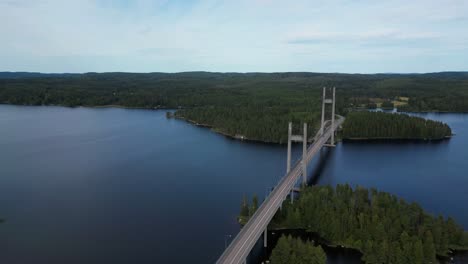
(282, 252)
(407, 247)
(418, 252)
(254, 205)
(290, 250)
(244, 212)
(429, 249)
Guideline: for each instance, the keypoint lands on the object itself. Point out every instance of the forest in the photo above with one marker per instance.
(257, 106)
(379, 125)
(289, 250)
(383, 227)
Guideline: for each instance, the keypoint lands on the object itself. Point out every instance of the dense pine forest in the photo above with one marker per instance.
(254, 105)
(291, 250)
(379, 125)
(384, 228)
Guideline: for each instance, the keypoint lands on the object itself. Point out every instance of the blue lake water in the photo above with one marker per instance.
(87, 185)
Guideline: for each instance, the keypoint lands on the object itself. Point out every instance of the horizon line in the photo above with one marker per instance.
(240, 72)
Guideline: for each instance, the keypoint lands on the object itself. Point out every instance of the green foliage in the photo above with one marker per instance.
(374, 125)
(372, 106)
(244, 207)
(386, 229)
(247, 210)
(387, 105)
(257, 106)
(429, 248)
(291, 250)
(254, 205)
(244, 213)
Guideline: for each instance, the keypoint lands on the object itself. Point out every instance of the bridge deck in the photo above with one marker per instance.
(245, 240)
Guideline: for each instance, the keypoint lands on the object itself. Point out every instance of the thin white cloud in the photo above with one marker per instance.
(144, 35)
(313, 37)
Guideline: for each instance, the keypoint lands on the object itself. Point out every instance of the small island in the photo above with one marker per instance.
(378, 125)
(383, 227)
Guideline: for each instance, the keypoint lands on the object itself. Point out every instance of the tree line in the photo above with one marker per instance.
(257, 106)
(379, 125)
(384, 228)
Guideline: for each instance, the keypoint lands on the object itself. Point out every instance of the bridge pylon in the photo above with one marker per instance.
(298, 138)
(326, 101)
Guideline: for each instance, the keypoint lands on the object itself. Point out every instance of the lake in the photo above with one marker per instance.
(109, 185)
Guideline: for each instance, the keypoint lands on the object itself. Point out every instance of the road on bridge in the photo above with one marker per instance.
(245, 240)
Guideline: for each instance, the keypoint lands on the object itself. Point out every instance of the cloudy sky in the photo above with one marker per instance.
(364, 36)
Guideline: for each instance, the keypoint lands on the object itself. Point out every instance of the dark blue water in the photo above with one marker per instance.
(82, 185)
(433, 174)
(121, 186)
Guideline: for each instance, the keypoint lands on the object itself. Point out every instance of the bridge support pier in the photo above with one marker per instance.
(332, 140)
(288, 161)
(304, 156)
(331, 101)
(265, 238)
(297, 138)
(322, 124)
(288, 164)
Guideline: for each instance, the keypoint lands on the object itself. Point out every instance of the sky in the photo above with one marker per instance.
(351, 36)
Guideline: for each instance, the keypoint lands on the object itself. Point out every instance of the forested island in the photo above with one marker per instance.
(255, 106)
(383, 227)
(378, 125)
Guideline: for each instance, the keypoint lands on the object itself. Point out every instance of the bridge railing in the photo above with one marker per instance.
(295, 173)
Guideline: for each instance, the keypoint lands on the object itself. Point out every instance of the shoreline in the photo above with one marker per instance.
(165, 107)
(96, 106)
(326, 243)
(364, 139)
(218, 131)
(414, 112)
(123, 107)
(242, 137)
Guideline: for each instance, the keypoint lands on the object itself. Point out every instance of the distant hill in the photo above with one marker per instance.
(18, 75)
(204, 74)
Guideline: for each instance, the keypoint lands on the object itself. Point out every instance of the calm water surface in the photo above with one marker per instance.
(82, 185)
